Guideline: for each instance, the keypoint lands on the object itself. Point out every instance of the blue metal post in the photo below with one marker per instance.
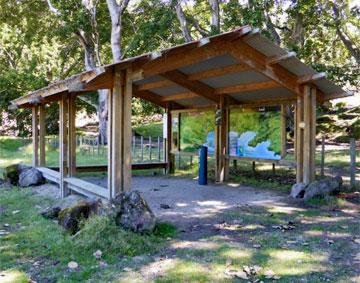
(203, 165)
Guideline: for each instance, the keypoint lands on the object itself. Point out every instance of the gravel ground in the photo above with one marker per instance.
(183, 202)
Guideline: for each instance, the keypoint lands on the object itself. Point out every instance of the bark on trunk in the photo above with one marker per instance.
(183, 22)
(215, 16)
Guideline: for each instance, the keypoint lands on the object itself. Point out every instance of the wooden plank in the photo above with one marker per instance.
(72, 135)
(299, 140)
(256, 60)
(194, 86)
(35, 136)
(223, 173)
(283, 131)
(352, 162)
(313, 133)
(170, 159)
(50, 174)
(86, 188)
(104, 168)
(63, 143)
(42, 134)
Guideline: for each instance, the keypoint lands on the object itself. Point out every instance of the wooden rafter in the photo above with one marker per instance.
(277, 59)
(311, 78)
(148, 95)
(197, 87)
(246, 87)
(258, 61)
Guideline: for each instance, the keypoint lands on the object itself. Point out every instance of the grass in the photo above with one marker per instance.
(42, 249)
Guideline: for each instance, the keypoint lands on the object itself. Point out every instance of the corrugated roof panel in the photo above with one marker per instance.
(235, 79)
(295, 66)
(265, 46)
(264, 94)
(212, 63)
(149, 80)
(328, 87)
(196, 101)
(164, 91)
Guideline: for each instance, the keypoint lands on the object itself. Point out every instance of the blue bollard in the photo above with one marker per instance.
(203, 165)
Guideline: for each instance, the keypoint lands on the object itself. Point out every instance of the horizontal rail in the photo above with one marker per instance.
(104, 168)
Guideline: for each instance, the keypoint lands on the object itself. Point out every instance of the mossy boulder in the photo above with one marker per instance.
(11, 174)
(133, 213)
(71, 217)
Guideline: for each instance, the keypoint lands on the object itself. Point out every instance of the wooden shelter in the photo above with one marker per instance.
(240, 68)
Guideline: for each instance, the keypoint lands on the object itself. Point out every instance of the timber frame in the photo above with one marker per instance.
(237, 69)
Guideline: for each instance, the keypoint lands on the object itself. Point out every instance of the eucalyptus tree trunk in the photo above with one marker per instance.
(215, 16)
(184, 26)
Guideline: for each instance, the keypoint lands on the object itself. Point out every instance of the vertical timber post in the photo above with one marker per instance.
(283, 131)
(42, 134)
(35, 135)
(72, 135)
(63, 144)
(120, 128)
(299, 139)
(170, 158)
(309, 134)
(222, 133)
(352, 162)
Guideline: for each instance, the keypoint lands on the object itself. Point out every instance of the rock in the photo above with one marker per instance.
(70, 217)
(51, 212)
(73, 265)
(11, 174)
(30, 177)
(298, 190)
(323, 187)
(97, 254)
(165, 206)
(133, 213)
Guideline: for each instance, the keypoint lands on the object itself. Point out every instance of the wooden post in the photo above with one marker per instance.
(142, 148)
(352, 162)
(150, 148)
(72, 135)
(159, 151)
(35, 136)
(120, 133)
(221, 145)
(170, 158)
(299, 139)
(322, 173)
(283, 131)
(42, 134)
(63, 144)
(309, 134)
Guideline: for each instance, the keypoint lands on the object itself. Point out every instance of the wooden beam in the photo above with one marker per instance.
(311, 78)
(222, 143)
(71, 135)
(277, 59)
(195, 86)
(179, 96)
(246, 87)
(199, 76)
(256, 60)
(35, 136)
(170, 158)
(63, 143)
(149, 96)
(42, 134)
(307, 135)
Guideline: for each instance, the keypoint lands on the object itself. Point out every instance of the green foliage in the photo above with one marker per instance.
(194, 129)
(165, 230)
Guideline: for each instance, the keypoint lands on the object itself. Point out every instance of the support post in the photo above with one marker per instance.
(72, 135)
(35, 135)
(352, 162)
(309, 134)
(322, 173)
(283, 131)
(42, 134)
(299, 139)
(222, 133)
(63, 144)
(170, 158)
(120, 133)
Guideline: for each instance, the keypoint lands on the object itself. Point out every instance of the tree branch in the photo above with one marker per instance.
(52, 8)
(183, 22)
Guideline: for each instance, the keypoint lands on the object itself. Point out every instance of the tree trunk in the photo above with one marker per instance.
(183, 22)
(215, 16)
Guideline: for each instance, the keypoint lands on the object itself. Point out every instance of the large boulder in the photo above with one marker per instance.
(51, 212)
(11, 174)
(30, 177)
(133, 213)
(298, 190)
(323, 187)
(70, 217)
